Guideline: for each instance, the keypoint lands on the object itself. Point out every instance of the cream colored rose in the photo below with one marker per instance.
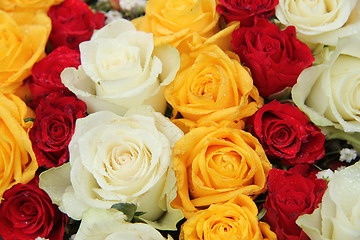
(120, 68)
(329, 93)
(118, 159)
(338, 216)
(101, 224)
(320, 20)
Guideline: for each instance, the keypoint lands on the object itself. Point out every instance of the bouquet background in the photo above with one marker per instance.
(179, 119)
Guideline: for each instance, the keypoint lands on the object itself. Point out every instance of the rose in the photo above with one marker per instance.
(118, 159)
(338, 215)
(17, 159)
(329, 93)
(246, 11)
(213, 165)
(291, 195)
(286, 134)
(23, 37)
(236, 219)
(27, 212)
(120, 68)
(26, 5)
(212, 86)
(53, 128)
(72, 23)
(101, 224)
(275, 58)
(173, 20)
(320, 21)
(46, 73)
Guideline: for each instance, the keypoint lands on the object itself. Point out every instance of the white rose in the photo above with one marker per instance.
(338, 216)
(320, 21)
(120, 68)
(119, 159)
(101, 224)
(329, 93)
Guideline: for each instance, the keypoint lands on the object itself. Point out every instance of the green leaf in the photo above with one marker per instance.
(139, 213)
(262, 213)
(129, 209)
(29, 119)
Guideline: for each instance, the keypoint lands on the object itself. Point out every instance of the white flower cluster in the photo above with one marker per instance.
(325, 174)
(132, 5)
(347, 154)
(112, 15)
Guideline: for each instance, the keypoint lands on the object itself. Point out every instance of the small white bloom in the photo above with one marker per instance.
(347, 154)
(325, 174)
(111, 16)
(132, 5)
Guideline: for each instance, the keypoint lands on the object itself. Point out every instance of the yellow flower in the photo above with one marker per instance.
(28, 5)
(23, 36)
(17, 159)
(212, 87)
(172, 20)
(214, 165)
(236, 219)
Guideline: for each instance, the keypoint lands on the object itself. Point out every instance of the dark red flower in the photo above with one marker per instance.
(291, 195)
(72, 23)
(286, 134)
(26, 212)
(46, 73)
(245, 11)
(275, 58)
(53, 128)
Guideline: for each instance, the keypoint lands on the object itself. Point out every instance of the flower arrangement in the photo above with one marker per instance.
(202, 119)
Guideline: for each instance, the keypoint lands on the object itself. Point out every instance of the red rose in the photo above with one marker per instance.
(46, 73)
(53, 128)
(275, 58)
(72, 23)
(245, 11)
(26, 212)
(291, 195)
(286, 134)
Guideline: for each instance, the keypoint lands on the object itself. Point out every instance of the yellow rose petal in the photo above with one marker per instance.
(214, 164)
(235, 219)
(27, 5)
(23, 37)
(17, 159)
(212, 87)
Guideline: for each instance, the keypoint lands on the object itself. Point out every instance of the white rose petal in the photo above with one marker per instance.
(101, 224)
(329, 93)
(338, 216)
(119, 159)
(320, 21)
(120, 68)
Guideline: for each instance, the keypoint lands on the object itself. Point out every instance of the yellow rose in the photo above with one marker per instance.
(28, 5)
(17, 159)
(214, 165)
(23, 36)
(172, 20)
(236, 219)
(212, 87)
